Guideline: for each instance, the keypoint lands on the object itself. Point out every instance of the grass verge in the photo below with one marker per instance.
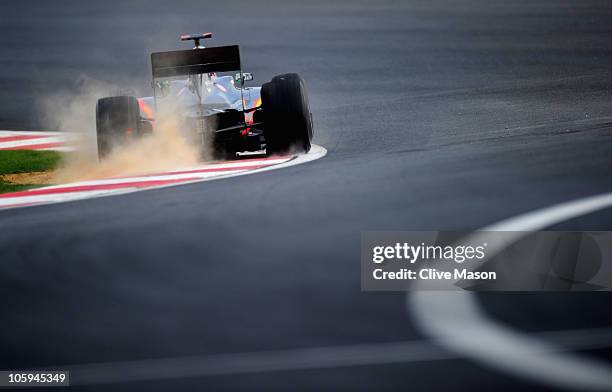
(7, 187)
(27, 161)
(24, 162)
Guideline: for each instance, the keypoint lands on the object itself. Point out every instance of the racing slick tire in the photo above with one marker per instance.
(286, 115)
(117, 119)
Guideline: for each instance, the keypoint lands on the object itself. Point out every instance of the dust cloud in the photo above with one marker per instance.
(165, 149)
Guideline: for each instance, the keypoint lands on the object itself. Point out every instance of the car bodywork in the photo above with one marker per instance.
(216, 109)
(201, 92)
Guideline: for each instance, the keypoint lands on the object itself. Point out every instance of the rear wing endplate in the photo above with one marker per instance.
(195, 61)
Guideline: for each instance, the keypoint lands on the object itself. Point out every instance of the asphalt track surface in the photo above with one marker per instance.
(436, 115)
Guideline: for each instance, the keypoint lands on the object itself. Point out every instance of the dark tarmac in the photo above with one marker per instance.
(436, 116)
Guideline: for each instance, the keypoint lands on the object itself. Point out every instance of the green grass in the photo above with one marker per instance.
(27, 161)
(6, 187)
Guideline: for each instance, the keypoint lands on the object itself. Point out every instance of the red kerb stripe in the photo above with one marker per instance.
(85, 188)
(206, 170)
(35, 146)
(14, 138)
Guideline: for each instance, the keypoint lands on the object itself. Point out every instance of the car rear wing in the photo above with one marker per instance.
(196, 61)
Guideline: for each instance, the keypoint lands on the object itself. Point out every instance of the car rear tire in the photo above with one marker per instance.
(286, 115)
(117, 121)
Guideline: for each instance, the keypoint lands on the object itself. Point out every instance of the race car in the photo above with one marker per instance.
(203, 89)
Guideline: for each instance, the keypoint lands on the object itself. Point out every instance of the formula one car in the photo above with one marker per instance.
(213, 109)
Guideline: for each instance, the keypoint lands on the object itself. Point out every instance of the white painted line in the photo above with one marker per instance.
(454, 320)
(29, 142)
(4, 132)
